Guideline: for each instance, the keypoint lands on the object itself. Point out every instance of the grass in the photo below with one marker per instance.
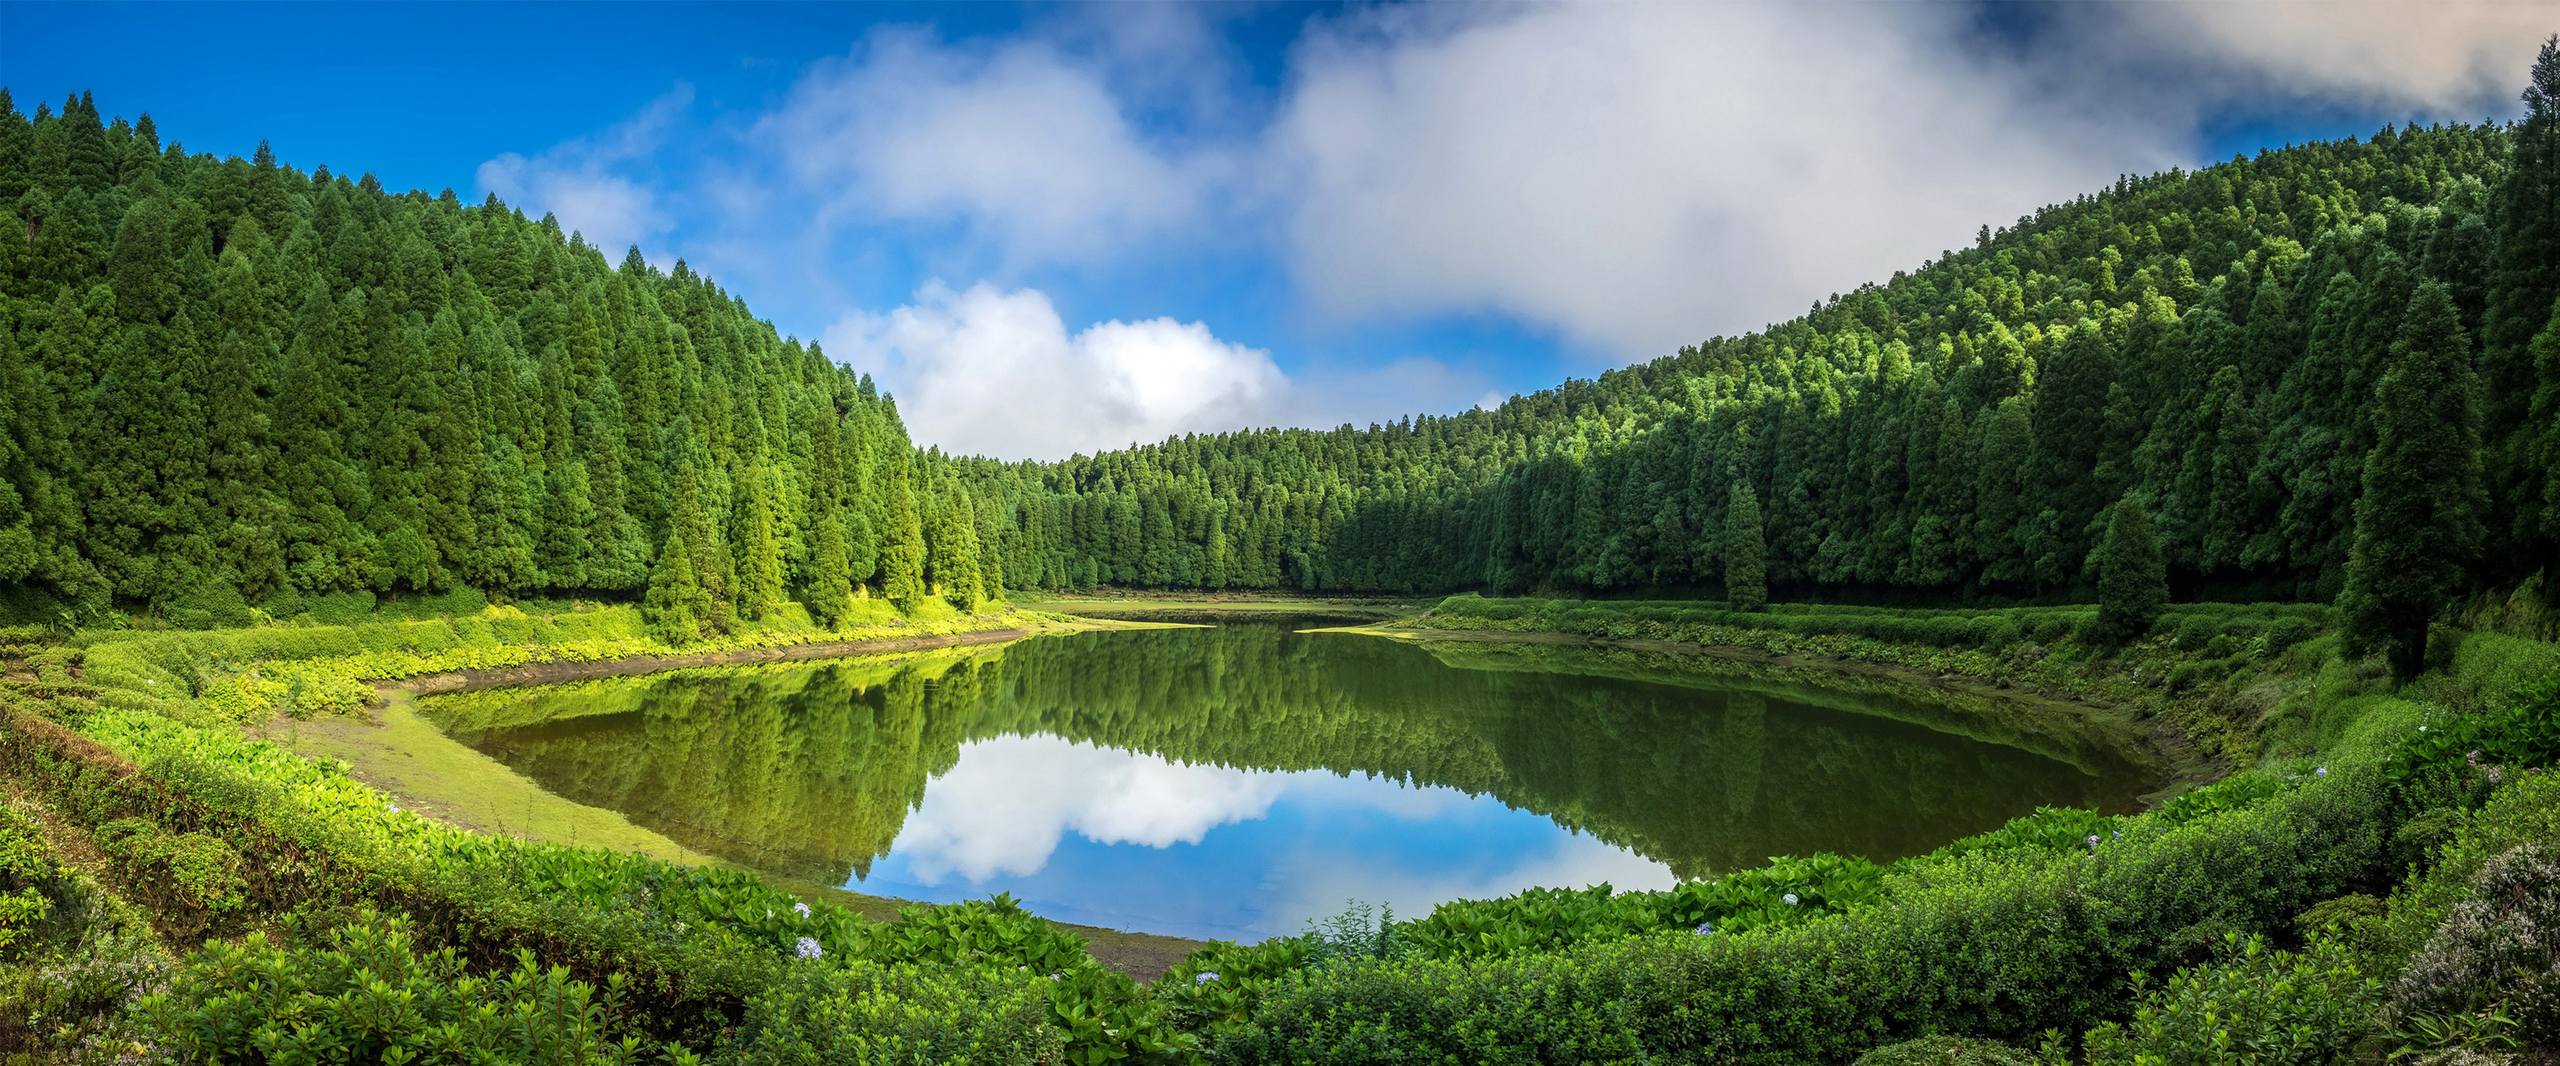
(399, 751)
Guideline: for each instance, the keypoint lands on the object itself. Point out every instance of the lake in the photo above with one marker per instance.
(1237, 781)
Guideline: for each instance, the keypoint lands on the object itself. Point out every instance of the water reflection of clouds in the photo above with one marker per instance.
(1576, 860)
(1042, 814)
(1002, 808)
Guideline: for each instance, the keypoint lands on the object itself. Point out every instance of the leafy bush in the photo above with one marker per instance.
(1947, 1051)
(1786, 891)
(25, 866)
(69, 959)
(2490, 975)
(2254, 1007)
(196, 875)
(2004, 943)
(871, 1013)
(364, 993)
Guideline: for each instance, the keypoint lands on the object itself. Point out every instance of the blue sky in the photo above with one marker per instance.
(1062, 228)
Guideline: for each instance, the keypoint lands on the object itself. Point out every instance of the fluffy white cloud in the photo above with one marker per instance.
(1630, 177)
(1574, 861)
(2442, 59)
(993, 372)
(1006, 803)
(989, 371)
(583, 182)
(1022, 145)
(1644, 175)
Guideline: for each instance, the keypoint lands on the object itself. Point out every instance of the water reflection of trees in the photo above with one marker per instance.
(811, 770)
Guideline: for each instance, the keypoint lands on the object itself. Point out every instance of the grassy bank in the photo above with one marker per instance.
(2360, 827)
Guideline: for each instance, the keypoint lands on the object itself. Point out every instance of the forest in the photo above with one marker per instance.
(232, 386)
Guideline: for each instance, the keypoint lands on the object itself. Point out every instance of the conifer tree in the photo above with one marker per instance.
(830, 591)
(759, 549)
(902, 558)
(2417, 523)
(676, 603)
(1746, 568)
(708, 565)
(2133, 578)
(2523, 283)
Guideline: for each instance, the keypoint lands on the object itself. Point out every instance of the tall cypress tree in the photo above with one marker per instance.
(2524, 280)
(759, 549)
(830, 587)
(676, 603)
(2133, 579)
(1746, 551)
(902, 558)
(2418, 522)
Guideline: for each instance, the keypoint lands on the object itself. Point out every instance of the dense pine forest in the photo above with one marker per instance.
(231, 386)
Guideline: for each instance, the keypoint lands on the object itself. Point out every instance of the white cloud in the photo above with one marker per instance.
(1641, 176)
(994, 372)
(1022, 145)
(1006, 803)
(2442, 59)
(582, 181)
(1630, 177)
(1574, 860)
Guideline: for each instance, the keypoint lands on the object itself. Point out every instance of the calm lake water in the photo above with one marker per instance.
(1238, 781)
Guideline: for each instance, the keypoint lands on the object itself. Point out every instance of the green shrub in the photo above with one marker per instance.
(1947, 1051)
(2254, 1007)
(26, 866)
(2002, 943)
(197, 873)
(364, 993)
(68, 961)
(823, 1015)
(2489, 977)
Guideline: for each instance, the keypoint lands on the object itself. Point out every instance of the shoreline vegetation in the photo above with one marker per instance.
(186, 711)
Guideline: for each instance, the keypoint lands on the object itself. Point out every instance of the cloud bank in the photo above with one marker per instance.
(990, 371)
(1623, 178)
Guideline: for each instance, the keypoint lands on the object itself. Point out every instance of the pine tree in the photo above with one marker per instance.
(2524, 281)
(2133, 578)
(2418, 521)
(677, 603)
(902, 558)
(708, 565)
(759, 549)
(830, 590)
(1746, 568)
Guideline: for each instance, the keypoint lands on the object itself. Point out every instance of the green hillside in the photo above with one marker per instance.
(229, 385)
(2207, 343)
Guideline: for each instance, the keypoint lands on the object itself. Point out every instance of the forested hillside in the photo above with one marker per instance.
(227, 384)
(2207, 344)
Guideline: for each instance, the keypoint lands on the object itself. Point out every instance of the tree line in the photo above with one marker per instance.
(2325, 371)
(226, 384)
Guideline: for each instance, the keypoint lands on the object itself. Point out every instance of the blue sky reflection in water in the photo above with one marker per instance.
(1237, 781)
(1129, 840)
